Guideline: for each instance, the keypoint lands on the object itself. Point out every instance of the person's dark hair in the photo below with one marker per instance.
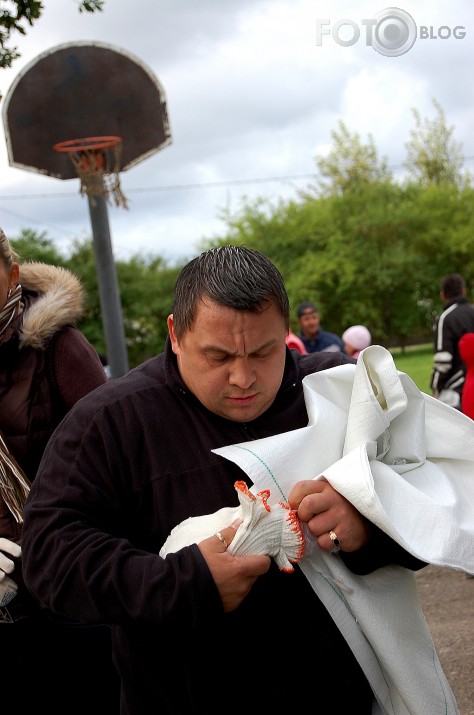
(233, 276)
(305, 307)
(453, 285)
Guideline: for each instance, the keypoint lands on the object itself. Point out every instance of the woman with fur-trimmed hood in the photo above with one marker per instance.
(46, 366)
(46, 363)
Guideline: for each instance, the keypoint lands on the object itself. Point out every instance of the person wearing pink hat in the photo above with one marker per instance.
(355, 339)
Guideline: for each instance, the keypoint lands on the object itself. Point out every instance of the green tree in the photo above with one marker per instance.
(433, 156)
(146, 289)
(365, 248)
(350, 164)
(33, 246)
(147, 285)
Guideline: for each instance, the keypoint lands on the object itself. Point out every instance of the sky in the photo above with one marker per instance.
(254, 91)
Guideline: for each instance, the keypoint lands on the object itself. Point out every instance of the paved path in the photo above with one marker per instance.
(447, 598)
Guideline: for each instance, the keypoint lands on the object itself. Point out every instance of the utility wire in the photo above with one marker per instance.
(187, 187)
(175, 187)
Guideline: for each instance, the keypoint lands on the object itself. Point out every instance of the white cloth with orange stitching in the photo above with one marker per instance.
(406, 461)
(275, 531)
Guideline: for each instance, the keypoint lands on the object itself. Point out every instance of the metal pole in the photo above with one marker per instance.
(109, 292)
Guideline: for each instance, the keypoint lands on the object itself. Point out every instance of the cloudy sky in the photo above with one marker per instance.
(254, 89)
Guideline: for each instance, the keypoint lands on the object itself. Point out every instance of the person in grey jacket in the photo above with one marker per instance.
(201, 629)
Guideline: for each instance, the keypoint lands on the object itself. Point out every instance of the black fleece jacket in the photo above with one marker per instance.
(131, 461)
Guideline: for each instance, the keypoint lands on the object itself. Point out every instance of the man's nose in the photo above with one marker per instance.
(241, 373)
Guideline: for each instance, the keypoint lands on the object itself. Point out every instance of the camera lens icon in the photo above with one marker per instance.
(394, 33)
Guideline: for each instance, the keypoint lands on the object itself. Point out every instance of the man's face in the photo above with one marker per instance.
(232, 360)
(309, 323)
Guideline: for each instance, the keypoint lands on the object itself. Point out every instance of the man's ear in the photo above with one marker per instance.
(172, 334)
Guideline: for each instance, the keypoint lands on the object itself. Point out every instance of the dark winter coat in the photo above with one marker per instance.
(322, 341)
(46, 365)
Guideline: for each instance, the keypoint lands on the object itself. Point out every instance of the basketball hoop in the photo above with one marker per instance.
(97, 163)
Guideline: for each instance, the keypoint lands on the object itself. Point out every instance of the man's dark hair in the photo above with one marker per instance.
(453, 285)
(306, 307)
(233, 276)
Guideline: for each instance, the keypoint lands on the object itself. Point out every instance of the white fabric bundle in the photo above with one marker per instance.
(406, 461)
(275, 531)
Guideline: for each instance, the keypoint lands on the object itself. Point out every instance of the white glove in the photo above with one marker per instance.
(8, 587)
(274, 531)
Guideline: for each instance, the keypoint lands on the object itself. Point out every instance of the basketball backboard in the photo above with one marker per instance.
(85, 89)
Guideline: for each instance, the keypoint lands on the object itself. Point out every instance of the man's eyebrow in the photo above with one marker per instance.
(219, 349)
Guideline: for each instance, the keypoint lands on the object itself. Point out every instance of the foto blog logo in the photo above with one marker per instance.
(391, 32)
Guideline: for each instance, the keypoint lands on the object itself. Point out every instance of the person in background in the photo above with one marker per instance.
(466, 351)
(135, 458)
(449, 372)
(355, 339)
(49, 663)
(295, 343)
(314, 337)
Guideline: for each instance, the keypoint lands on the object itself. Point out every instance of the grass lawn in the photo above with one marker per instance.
(416, 362)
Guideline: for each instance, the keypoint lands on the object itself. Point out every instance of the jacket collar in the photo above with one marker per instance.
(53, 297)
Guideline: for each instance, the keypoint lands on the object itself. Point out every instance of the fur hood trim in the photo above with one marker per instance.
(60, 302)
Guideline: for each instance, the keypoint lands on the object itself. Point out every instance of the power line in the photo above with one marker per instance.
(194, 186)
(175, 187)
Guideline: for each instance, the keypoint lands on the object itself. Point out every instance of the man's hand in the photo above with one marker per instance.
(234, 575)
(324, 510)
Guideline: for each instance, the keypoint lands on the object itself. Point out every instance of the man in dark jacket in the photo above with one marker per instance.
(449, 371)
(314, 337)
(201, 630)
